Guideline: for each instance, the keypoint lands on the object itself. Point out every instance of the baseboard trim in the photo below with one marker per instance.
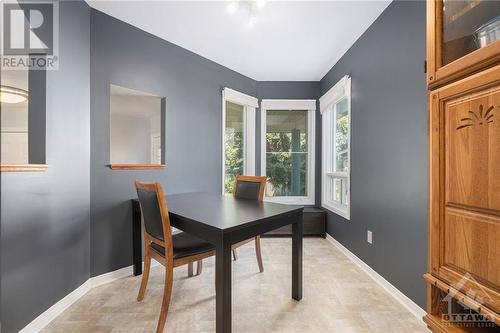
(55, 310)
(411, 306)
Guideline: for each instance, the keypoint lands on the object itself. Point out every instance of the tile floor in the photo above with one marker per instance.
(338, 297)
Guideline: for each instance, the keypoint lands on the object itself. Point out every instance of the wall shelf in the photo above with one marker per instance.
(136, 166)
(23, 167)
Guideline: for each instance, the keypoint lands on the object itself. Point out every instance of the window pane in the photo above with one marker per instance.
(341, 135)
(337, 191)
(287, 173)
(234, 144)
(344, 191)
(287, 155)
(330, 189)
(286, 131)
(340, 191)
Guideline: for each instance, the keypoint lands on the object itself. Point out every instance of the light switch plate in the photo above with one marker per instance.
(369, 237)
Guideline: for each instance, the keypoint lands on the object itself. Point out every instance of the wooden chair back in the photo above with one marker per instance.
(250, 187)
(155, 215)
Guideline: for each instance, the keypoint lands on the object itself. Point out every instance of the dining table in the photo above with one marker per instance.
(224, 220)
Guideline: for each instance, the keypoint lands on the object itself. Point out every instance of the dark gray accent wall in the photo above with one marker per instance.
(45, 216)
(192, 85)
(389, 148)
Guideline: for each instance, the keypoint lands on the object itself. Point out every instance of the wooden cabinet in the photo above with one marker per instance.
(464, 138)
(462, 38)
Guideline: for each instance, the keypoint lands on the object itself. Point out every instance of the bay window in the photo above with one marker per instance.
(335, 107)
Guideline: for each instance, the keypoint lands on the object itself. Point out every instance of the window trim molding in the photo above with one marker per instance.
(340, 90)
(288, 104)
(240, 98)
(250, 104)
(296, 105)
(336, 93)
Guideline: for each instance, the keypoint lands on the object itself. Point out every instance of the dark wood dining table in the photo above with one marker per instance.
(223, 221)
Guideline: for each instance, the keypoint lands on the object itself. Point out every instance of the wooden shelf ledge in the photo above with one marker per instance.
(23, 167)
(136, 166)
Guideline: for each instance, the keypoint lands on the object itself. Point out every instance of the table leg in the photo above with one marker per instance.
(297, 258)
(136, 238)
(223, 287)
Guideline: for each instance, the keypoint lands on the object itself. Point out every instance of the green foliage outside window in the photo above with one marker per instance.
(279, 163)
(234, 158)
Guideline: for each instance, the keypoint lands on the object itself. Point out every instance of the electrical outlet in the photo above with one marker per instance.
(369, 237)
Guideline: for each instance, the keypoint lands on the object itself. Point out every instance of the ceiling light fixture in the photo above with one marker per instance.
(12, 95)
(232, 6)
(261, 3)
(246, 8)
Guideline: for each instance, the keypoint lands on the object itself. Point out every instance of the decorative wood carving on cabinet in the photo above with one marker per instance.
(464, 201)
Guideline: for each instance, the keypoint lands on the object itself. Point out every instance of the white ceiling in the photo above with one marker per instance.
(288, 40)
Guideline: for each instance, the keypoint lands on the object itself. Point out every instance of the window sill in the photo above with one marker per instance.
(291, 200)
(343, 213)
(23, 167)
(136, 166)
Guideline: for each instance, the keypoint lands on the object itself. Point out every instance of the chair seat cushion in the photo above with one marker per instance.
(185, 245)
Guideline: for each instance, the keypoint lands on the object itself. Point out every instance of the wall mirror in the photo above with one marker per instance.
(22, 112)
(137, 129)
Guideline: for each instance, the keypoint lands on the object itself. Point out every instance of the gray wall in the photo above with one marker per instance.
(129, 57)
(45, 216)
(389, 148)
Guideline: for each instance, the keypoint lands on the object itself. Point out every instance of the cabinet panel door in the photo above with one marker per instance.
(472, 245)
(472, 150)
(465, 185)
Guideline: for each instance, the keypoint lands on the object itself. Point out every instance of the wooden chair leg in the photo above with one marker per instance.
(145, 274)
(190, 269)
(258, 254)
(167, 293)
(235, 255)
(199, 267)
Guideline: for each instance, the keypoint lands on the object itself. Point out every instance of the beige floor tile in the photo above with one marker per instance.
(338, 297)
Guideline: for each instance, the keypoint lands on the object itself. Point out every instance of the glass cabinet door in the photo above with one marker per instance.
(468, 26)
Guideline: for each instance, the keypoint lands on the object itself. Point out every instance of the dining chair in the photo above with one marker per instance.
(250, 188)
(159, 243)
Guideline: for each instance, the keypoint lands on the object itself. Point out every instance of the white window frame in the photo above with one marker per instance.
(250, 104)
(296, 105)
(340, 90)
